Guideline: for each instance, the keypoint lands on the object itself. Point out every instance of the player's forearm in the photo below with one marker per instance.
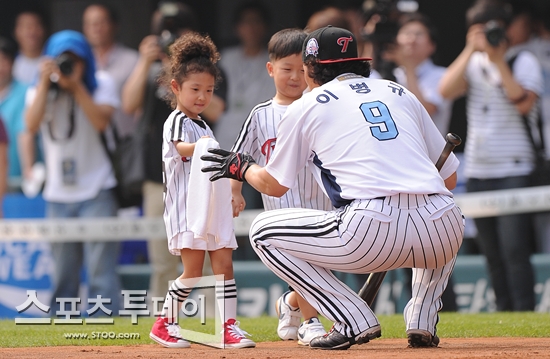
(450, 182)
(263, 182)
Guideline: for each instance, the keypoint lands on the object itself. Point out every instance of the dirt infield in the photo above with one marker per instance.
(380, 349)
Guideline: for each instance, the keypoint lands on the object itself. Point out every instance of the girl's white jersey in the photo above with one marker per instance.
(258, 137)
(176, 169)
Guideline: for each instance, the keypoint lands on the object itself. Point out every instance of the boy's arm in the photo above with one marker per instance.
(237, 200)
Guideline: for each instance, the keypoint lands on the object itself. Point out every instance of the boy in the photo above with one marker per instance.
(257, 137)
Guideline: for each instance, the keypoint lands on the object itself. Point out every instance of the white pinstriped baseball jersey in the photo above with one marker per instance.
(345, 125)
(258, 137)
(375, 147)
(178, 127)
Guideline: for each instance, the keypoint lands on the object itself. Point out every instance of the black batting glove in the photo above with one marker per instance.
(231, 164)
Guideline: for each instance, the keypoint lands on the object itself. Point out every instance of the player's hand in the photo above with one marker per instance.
(230, 164)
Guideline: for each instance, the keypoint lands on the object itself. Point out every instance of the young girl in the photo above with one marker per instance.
(192, 77)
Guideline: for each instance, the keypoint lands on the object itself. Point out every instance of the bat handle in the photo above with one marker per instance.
(453, 140)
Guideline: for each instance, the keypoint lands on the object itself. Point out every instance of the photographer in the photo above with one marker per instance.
(498, 152)
(71, 105)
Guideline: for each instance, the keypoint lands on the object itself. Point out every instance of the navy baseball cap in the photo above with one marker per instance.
(329, 45)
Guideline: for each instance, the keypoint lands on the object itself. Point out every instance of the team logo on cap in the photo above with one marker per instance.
(344, 41)
(312, 47)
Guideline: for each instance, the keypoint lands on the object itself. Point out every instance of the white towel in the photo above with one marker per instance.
(209, 210)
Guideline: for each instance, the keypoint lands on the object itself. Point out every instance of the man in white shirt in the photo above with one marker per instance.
(498, 153)
(416, 70)
(30, 33)
(99, 26)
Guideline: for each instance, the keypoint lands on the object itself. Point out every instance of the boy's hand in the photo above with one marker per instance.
(238, 203)
(231, 164)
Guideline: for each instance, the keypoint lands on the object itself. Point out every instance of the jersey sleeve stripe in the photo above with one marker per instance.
(246, 125)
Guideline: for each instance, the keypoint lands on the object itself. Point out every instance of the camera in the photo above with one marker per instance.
(494, 33)
(65, 64)
(166, 39)
(172, 20)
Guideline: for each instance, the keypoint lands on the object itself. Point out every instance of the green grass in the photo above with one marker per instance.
(452, 325)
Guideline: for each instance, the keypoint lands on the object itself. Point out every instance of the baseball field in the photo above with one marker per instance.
(485, 335)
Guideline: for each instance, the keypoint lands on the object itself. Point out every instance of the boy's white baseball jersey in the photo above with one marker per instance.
(176, 171)
(374, 147)
(258, 137)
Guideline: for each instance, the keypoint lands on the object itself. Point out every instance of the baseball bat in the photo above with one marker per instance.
(374, 281)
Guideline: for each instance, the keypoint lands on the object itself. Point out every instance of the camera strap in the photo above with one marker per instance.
(71, 123)
(538, 147)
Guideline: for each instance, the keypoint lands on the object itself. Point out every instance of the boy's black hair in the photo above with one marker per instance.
(285, 43)
(8, 48)
(483, 11)
(323, 73)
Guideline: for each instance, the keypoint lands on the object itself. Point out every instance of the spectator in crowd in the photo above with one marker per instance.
(329, 15)
(71, 109)
(539, 45)
(12, 105)
(142, 95)
(497, 98)
(247, 80)
(100, 25)
(29, 32)
(3, 165)
(416, 44)
(522, 36)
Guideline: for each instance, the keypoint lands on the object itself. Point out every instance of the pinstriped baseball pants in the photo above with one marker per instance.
(302, 246)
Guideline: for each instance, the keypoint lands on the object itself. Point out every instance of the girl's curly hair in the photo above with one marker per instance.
(191, 53)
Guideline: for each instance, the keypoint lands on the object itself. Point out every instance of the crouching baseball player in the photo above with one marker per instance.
(374, 147)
